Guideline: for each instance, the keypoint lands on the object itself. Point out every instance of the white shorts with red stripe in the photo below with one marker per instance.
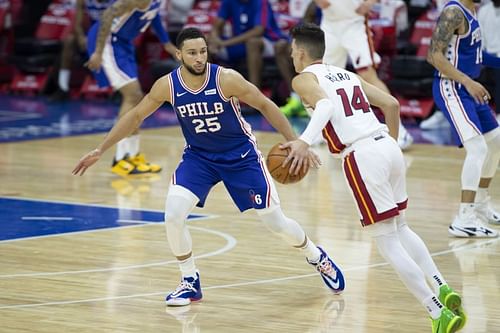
(348, 38)
(375, 171)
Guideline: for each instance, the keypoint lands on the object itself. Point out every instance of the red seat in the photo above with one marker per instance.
(415, 108)
(422, 31)
(28, 83)
(56, 23)
(91, 90)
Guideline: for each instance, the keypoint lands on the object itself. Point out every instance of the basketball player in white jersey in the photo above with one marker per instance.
(373, 166)
(347, 33)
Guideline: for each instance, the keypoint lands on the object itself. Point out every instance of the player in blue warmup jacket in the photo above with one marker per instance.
(220, 147)
(112, 58)
(457, 53)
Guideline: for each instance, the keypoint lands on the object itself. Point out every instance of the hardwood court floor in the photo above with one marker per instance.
(115, 280)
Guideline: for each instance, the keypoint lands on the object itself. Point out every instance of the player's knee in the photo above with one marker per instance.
(174, 218)
(382, 228)
(281, 48)
(273, 218)
(476, 148)
(255, 44)
(493, 141)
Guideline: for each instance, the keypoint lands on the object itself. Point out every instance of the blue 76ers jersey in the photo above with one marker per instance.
(210, 121)
(128, 26)
(465, 51)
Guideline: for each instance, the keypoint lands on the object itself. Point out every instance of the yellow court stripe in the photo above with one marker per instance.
(359, 190)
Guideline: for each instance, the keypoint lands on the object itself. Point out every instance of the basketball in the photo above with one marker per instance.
(275, 158)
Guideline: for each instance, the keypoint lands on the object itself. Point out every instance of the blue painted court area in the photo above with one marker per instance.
(20, 218)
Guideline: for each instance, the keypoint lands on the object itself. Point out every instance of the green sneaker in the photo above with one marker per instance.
(293, 107)
(452, 301)
(446, 323)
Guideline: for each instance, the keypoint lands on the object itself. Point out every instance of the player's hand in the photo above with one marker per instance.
(86, 162)
(298, 156)
(477, 91)
(95, 61)
(314, 160)
(323, 4)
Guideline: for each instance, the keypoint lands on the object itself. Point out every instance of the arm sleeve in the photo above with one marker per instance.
(320, 117)
(159, 29)
(490, 60)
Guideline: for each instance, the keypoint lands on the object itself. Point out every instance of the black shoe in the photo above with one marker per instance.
(58, 96)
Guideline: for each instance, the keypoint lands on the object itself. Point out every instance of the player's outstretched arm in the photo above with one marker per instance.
(127, 124)
(233, 84)
(117, 9)
(387, 103)
(307, 87)
(452, 21)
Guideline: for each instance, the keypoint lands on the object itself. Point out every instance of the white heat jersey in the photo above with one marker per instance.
(353, 118)
(342, 10)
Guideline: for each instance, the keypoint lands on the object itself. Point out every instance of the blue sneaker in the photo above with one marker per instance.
(189, 290)
(330, 273)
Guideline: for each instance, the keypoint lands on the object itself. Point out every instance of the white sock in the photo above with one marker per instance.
(466, 209)
(133, 148)
(187, 267)
(63, 79)
(434, 306)
(121, 149)
(311, 251)
(481, 194)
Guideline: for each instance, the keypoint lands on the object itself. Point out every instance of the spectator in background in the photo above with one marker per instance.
(112, 58)
(76, 41)
(489, 20)
(345, 24)
(255, 35)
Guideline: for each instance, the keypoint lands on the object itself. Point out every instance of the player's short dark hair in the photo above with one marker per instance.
(311, 37)
(189, 33)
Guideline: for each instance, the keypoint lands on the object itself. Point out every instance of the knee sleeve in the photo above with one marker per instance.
(491, 163)
(476, 151)
(287, 228)
(179, 203)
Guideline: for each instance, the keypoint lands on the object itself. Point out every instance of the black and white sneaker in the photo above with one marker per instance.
(486, 213)
(471, 227)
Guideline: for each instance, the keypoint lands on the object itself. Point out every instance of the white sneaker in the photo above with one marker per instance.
(471, 227)
(437, 120)
(405, 140)
(486, 213)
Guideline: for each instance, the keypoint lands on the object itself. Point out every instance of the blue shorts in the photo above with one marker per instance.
(467, 118)
(242, 171)
(119, 66)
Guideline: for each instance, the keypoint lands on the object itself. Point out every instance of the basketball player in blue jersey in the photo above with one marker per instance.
(112, 58)
(457, 54)
(220, 147)
(77, 40)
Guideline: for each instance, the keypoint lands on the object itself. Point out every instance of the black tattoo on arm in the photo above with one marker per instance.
(118, 8)
(451, 21)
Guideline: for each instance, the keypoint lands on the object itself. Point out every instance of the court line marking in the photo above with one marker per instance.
(230, 243)
(239, 284)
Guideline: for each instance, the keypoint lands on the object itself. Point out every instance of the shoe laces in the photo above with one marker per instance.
(183, 286)
(325, 267)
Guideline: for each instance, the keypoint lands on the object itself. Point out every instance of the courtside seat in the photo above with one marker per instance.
(34, 56)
